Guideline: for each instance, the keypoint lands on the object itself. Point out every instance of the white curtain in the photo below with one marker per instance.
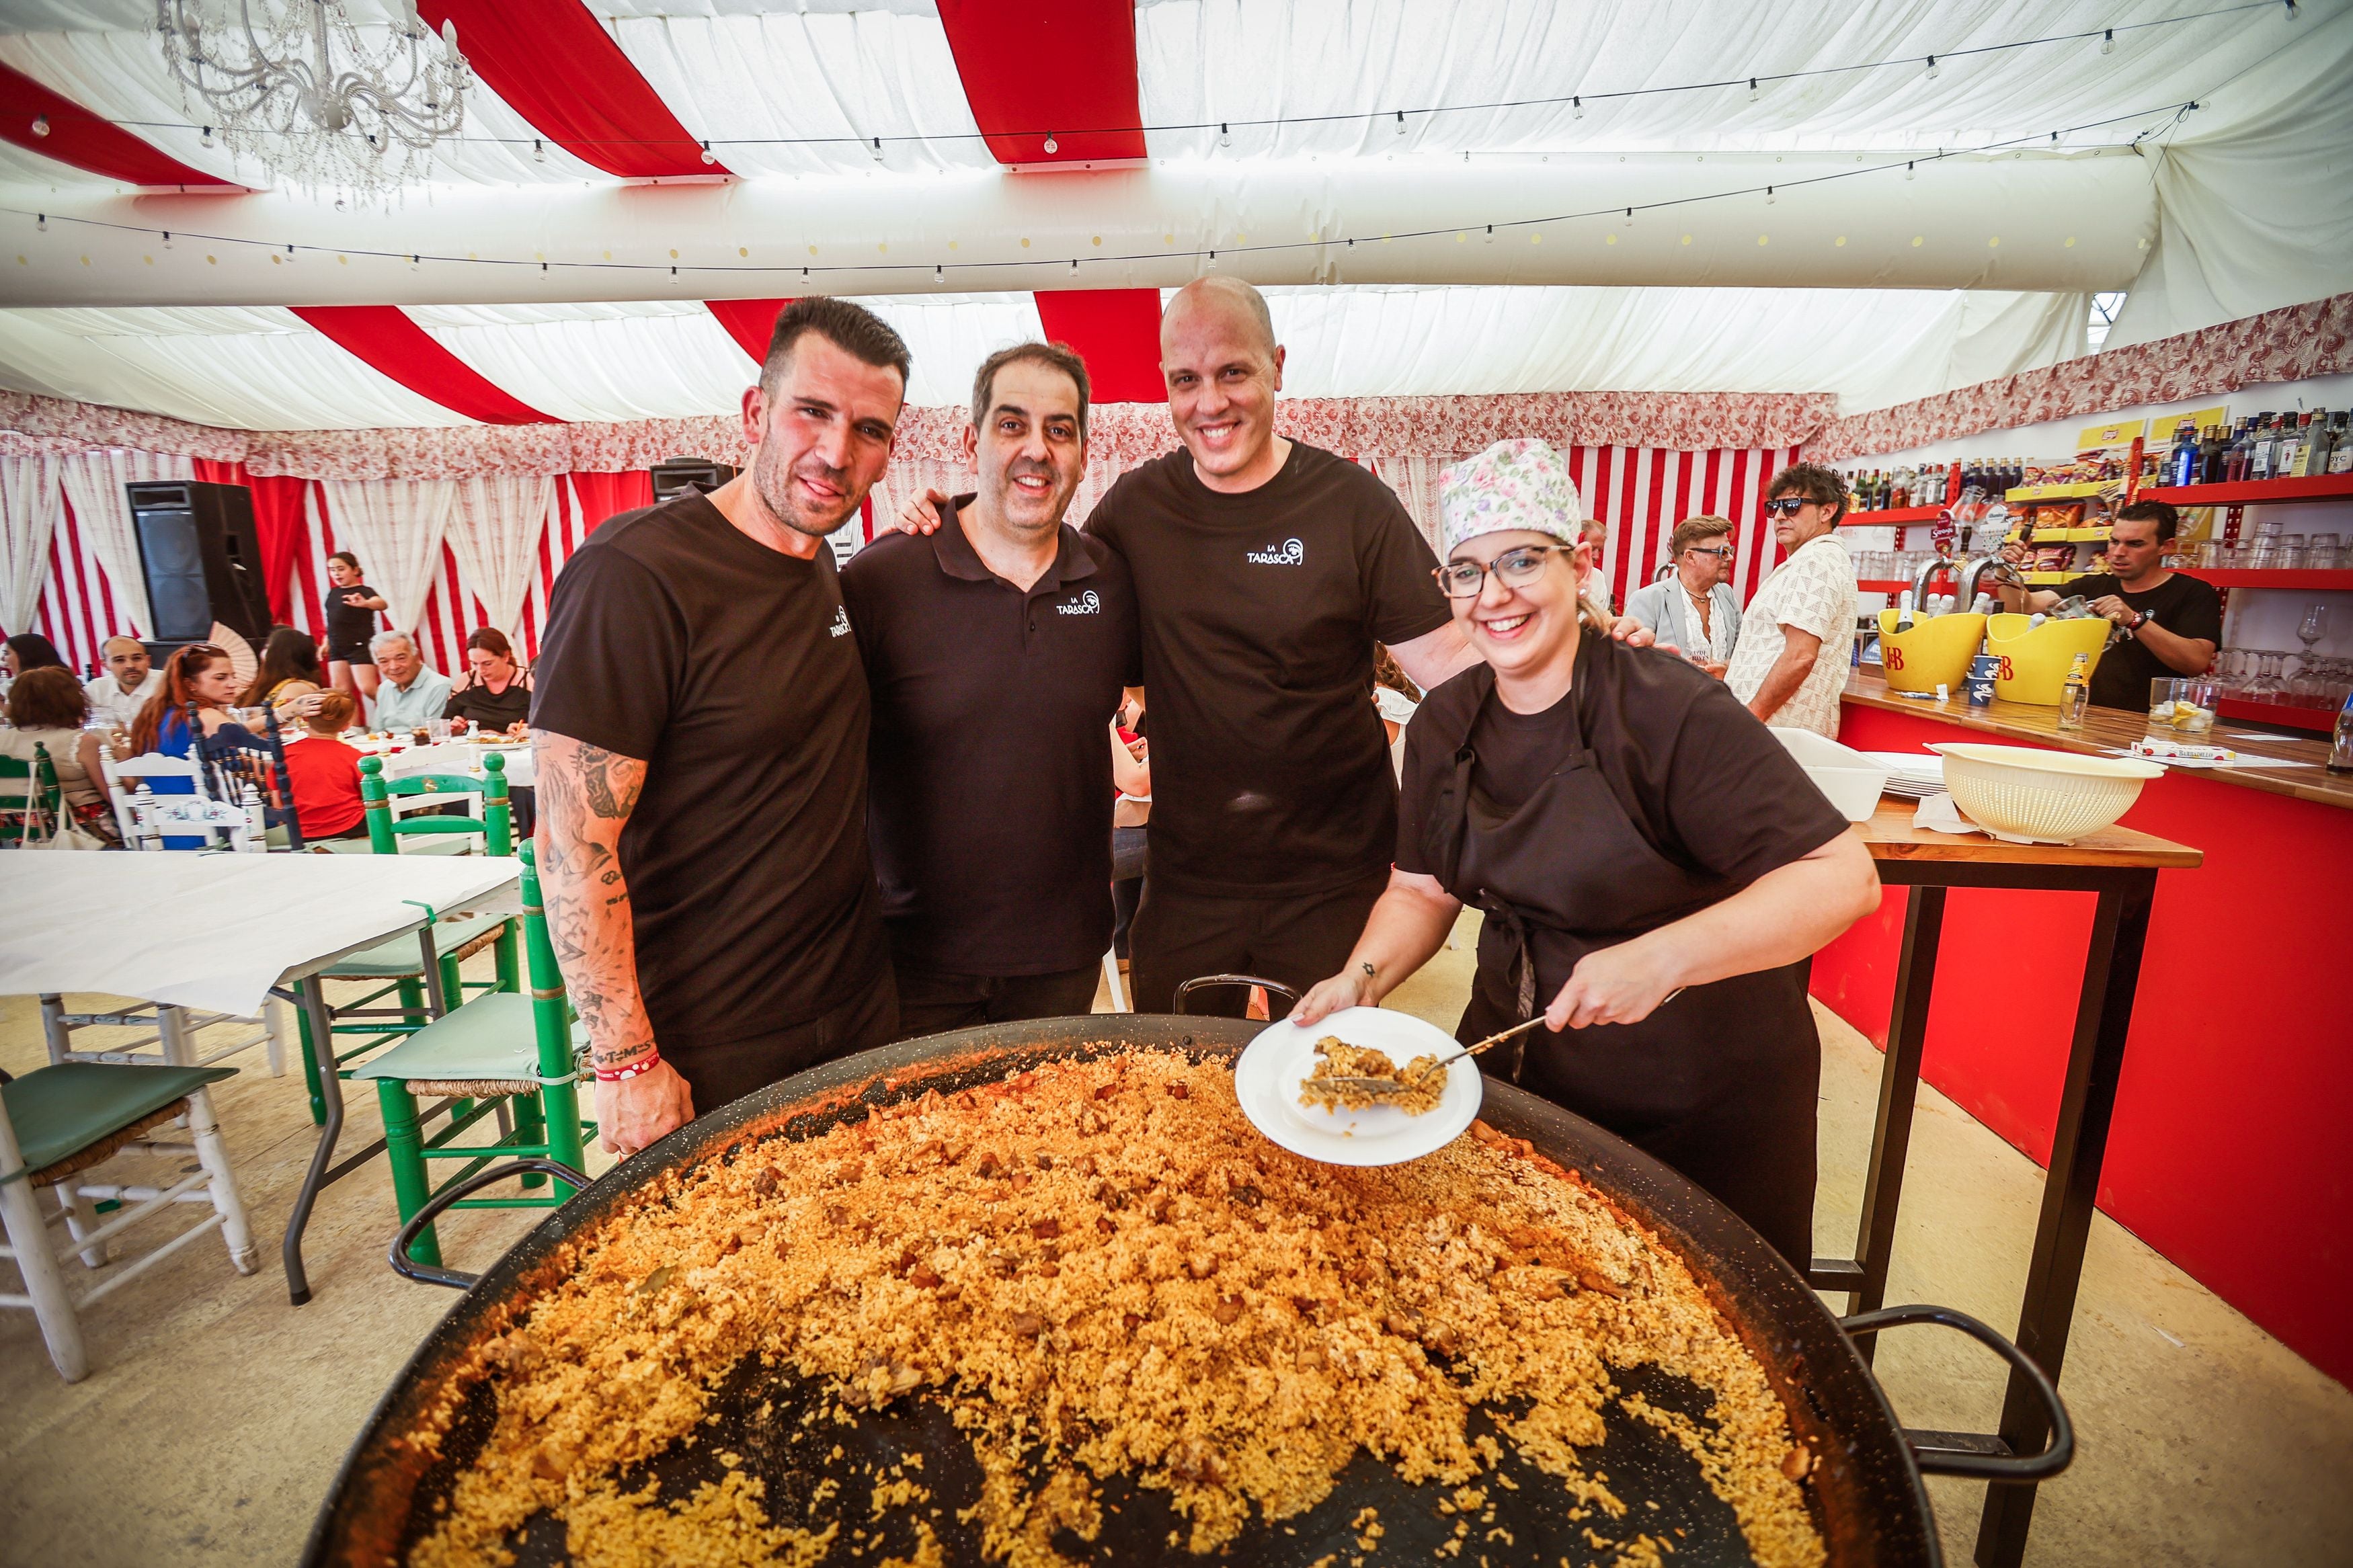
(396, 528)
(495, 537)
(29, 520)
(93, 485)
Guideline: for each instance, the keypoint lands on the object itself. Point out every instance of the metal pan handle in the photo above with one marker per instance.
(1199, 980)
(408, 1268)
(1983, 1458)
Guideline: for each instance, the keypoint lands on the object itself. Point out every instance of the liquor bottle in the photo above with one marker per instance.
(2340, 751)
(1904, 610)
(2340, 445)
(2182, 463)
(2211, 449)
(2259, 453)
(2076, 694)
(2291, 445)
(2313, 445)
(1899, 495)
(2240, 453)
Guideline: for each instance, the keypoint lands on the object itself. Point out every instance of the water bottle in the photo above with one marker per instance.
(2340, 754)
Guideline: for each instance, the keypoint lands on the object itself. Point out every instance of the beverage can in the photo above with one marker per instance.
(1978, 683)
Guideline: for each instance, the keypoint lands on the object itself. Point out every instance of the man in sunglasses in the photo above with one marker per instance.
(1791, 660)
(1692, 609)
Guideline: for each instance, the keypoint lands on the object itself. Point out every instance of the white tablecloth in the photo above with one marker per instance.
(216, 931)
(459, 757)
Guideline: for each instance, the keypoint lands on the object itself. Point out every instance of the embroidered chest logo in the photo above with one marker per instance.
(1290, 552)
(840, 627)
(1085, 604)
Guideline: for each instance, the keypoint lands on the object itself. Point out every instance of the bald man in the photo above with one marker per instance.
(129, 679)
(1265, 571)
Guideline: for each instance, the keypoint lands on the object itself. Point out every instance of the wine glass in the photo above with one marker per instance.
(2313, 628)
(2265, 686)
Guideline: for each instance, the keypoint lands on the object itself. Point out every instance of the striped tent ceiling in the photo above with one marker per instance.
(915, 136)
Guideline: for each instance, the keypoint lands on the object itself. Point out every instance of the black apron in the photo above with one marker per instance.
(1719, 1083)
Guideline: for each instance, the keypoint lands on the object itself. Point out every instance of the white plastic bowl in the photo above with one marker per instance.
(2034, 796)
(1851, 781)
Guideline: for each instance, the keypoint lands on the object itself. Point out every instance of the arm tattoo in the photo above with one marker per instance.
(585, 795)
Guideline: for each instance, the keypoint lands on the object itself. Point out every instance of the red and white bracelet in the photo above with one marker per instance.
(644, 1064)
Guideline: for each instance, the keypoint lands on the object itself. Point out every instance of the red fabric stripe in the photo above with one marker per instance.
(83, 140)
(609, 495)
(385, 339)
(749, 322)
(563, 72)
(65, 545)
(1060, 67)
(1117, 332)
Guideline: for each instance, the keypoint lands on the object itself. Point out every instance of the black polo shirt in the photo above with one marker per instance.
(990, 789)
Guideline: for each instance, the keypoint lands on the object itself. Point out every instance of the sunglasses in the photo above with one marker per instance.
(1786, 506)
(1514, 568)
(1721, 551)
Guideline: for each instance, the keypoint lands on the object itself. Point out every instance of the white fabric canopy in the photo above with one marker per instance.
(494, 537)
(93, 486)
(29, 517)
(396, 528)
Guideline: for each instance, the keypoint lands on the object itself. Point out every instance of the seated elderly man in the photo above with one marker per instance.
(1692, 608)
(407, 693)
(129, 679)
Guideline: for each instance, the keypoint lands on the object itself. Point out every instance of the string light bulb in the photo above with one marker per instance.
(1932, 71)
(1400, 124)
(167, 239)
(877, 148)
(1053, 147)
(2108, 41)
(1768, 195)
(206, 139)
(1630, 218)
(709, 157)
(1753, 94)
(538, 150)
(1225, 134)
(1577, 108)
(939, 273)
(1908, 171)
(40, 125)
(1491, 233)
(1074, 267)
(1213, 261)
(42, 223)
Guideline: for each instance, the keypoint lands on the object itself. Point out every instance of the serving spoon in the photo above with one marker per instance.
(1383, 1088)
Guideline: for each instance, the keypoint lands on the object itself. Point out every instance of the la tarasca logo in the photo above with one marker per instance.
(1085, 604)
(840, 627)
(1290, 554)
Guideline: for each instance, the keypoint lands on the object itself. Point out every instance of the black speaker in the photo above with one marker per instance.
(673, 477)
(202, 559)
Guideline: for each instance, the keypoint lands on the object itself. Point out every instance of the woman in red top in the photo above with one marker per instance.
(326, 773)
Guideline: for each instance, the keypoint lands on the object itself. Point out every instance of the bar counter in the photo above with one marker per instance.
(2228, 1152)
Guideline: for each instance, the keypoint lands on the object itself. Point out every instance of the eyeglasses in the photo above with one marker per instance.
(1722, 551)
(1786, 506)
(1514, 568)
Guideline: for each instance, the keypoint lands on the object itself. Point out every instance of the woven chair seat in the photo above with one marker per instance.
(70, 1115)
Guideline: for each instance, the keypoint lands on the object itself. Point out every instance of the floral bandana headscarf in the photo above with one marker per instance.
(1512, 485)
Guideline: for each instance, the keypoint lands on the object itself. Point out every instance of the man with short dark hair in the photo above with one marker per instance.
(699, 727)
(2171, 625)
(1795, 636)
(996, 650)
(129, 679)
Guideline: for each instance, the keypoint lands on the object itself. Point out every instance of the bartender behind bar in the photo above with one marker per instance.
(2169, 625)
(1655, 868)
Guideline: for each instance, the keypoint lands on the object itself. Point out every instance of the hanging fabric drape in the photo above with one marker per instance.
(29, 506)
(396, 528)
(93, 486)
(494, 537)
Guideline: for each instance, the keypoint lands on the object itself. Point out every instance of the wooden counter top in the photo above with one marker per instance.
(2107, 731)
(1889, 836)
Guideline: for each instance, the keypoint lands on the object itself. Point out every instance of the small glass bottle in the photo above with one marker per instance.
(2076, 694)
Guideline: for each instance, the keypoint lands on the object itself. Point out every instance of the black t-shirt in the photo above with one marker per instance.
(1696, 773)
(729, 669)
(990, 798)
(349, 626)
(1270, 771)
(490, 710)
(2183, 606)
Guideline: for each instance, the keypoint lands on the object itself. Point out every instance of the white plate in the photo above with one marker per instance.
(1272, 1067)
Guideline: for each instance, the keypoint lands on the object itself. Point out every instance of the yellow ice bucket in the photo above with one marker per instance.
(1932, 653)
(2034, 660)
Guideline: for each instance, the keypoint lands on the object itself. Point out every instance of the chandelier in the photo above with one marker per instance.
(303, 90)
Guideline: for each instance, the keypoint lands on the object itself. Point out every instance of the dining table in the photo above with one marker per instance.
(222, 933)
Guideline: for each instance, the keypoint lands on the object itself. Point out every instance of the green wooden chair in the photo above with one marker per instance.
(396, 968)
(30, 797)
(499, 1049)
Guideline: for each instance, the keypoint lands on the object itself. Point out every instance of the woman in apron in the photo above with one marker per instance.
(1656, 871)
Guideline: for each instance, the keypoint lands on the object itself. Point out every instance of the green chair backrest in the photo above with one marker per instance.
(551, 1012)
(384, 830)
(40, 793)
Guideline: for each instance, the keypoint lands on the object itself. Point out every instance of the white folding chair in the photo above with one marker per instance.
(147, 818)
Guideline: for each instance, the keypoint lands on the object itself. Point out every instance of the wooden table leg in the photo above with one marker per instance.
(1864, 1276)
(2095, 1063)
(331, 1089)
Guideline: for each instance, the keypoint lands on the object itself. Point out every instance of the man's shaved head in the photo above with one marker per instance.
(1223, 296)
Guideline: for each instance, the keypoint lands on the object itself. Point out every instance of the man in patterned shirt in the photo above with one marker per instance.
(1796, 634)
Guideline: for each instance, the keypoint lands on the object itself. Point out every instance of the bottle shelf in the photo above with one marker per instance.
(2253, 492)
(2320, 720)
(2297, 578)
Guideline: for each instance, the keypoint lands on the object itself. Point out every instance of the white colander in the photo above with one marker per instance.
(2034, 796)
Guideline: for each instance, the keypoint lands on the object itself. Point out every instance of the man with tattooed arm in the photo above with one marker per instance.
(700, 732)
